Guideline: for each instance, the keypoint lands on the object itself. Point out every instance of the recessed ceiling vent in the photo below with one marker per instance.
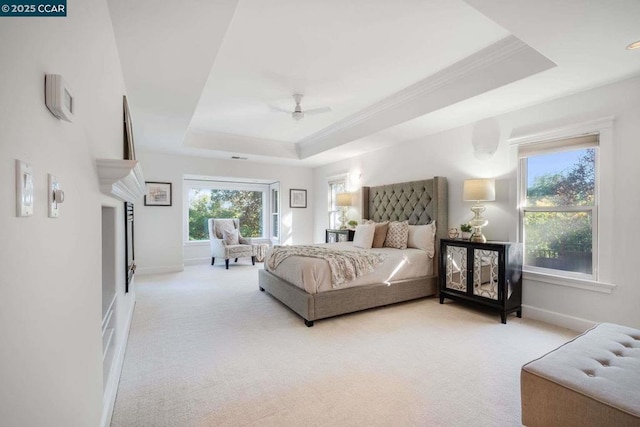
(239, 158)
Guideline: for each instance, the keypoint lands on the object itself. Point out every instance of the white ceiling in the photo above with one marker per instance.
(201, 75)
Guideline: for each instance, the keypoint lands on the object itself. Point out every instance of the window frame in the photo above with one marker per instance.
(189, 184)
(542, 148)
(275, 212)
(333, 210)
(605, 264)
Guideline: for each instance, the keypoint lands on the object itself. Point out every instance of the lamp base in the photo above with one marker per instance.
(343, 219)
(477, 222)
(478, 238)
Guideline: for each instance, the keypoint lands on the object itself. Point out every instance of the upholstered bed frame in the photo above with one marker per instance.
(419, 202)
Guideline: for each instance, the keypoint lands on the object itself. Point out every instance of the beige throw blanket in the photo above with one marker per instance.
(344, 265)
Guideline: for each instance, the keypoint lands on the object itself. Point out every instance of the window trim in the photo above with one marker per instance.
(604, 170)
(523, 209)
(337, 179)
(188, 184)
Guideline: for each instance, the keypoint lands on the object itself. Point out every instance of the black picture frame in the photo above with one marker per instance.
(157, 193)
(297, 198)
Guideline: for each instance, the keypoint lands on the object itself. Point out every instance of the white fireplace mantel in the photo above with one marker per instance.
(121, 179)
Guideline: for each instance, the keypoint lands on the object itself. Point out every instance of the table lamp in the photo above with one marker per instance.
(343, 201)
(478, 190)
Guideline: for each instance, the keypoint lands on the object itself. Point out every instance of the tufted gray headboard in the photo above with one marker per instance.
(419, 202)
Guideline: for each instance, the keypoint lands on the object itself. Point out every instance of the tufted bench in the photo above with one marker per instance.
(593, 380)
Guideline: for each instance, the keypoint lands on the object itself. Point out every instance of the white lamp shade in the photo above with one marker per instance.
(343, 199)
(478, 190)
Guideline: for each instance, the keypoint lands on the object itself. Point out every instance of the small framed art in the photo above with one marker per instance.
(297, 198)
(158, 194)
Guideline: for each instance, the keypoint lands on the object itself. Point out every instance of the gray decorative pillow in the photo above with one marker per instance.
(231, 237)
(397, 235)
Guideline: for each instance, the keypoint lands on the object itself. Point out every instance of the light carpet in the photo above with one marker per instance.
(207, 348)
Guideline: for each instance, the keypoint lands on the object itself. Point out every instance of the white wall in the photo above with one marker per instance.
(450, 154)
(50, 269)
(159, 230)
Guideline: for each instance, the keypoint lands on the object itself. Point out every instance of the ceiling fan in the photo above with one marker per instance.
(298, 113)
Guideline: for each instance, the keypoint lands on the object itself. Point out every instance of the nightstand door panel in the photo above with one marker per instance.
(486, 272)
(456, 268)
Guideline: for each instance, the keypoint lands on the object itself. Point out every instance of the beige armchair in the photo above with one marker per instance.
(220, 248)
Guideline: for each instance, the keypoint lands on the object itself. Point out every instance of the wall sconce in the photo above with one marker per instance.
(478, 190)
(343, 201)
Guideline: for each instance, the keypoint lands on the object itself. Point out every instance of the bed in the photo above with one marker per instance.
(419, 203)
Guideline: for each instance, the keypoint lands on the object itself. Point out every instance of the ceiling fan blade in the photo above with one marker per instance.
(317, 110)
(278, 110)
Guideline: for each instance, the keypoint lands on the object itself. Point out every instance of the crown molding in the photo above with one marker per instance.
(495, 53)
(121, 179)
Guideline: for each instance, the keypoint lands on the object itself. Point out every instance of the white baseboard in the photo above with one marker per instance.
(197, 261)
(111, 390)
(570, 322)
(160, 270)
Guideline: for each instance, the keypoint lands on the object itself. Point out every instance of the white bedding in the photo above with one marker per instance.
(313, 274)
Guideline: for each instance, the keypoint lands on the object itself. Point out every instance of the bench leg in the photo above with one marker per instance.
(503, 317)
(212, 260)
(308, 323)
(253, 260)
(226, 263)
(236, 260)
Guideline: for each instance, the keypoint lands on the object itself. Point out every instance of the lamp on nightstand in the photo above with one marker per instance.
(343, 201)
(478, 190)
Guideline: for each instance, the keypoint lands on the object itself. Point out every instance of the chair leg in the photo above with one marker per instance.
(236, 260)
(212, 260)
(226, 263)
(253, 260)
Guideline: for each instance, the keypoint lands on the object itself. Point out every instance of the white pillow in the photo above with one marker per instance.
(423, 237)
(231, 237)
(397, 235)
(363, 237)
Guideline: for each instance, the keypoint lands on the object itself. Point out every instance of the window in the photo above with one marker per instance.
(336, 186)
(559, 206)
(210, 199)
(275, 212)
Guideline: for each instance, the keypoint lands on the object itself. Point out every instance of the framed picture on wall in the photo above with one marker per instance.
(158, 194)
(297, 198)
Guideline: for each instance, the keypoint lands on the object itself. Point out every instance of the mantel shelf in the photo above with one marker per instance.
(121, 179)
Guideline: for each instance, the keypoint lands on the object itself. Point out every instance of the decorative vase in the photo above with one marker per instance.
(453, 233)
(466, 235)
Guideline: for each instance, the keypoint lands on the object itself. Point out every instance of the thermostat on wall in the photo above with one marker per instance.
(58, 97)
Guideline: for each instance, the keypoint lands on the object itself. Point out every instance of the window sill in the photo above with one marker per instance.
(549, 279)
(197, 243)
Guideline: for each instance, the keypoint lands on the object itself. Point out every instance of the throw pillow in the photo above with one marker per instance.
(230, 237)
(363, 237)
(381, 233)
(397, 235)
(423, 237)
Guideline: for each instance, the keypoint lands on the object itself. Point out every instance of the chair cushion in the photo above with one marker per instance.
(223, 224)
(237, 251)
(230, 237)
